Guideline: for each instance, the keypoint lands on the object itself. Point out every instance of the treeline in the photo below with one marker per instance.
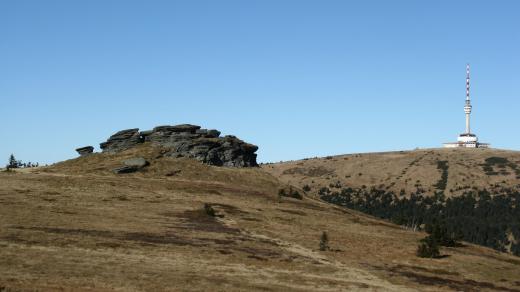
(14, 163)
(475, 216)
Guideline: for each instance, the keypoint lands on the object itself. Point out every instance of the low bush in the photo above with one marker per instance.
(209, 210)
(289, 193)
(324, 241)
(428, 248)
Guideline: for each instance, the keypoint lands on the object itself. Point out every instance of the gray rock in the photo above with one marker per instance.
(125, 169)
(213, 134)
(145, 135)
(166, 128)
(122, 140)
(124, 134)
(186, 128)
(83, 151)
(220, 152)
(186, 141)
(175, 155)
(131, 165)
(177, 128)
(208, 133)
(137, 161)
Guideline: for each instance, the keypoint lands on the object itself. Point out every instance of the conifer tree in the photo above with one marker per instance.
(324, 241)
(13, 163)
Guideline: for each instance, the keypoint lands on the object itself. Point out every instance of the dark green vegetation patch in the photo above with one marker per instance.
(475, 217)
(442, 165)
(498, 165)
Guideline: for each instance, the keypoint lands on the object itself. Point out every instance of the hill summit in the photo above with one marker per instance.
(472, 193)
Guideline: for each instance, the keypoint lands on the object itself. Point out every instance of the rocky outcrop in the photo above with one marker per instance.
(83, 151)
(188, 141)
(122, 140)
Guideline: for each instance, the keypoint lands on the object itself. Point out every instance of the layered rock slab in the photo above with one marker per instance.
(84, 151)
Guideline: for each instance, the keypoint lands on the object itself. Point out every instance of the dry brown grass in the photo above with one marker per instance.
(77, 227)
(403, 170)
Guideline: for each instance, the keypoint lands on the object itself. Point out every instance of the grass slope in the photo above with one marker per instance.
(76, 227)
(451, 170)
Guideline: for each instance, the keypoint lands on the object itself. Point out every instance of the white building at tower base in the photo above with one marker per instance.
(467, 141)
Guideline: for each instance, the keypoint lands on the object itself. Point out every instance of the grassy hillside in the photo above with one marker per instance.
(76, 226)
(452, 171)
(473, 193)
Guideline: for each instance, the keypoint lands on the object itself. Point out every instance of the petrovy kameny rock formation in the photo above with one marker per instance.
(188, 141)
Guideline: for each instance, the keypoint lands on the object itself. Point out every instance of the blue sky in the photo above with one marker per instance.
(298, 78)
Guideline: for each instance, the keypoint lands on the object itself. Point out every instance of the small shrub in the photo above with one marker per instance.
(209, 210)
(291, 193)
(324, 191)
(296, 195)
(335, 185)
(428, 248)
(306, 188)
(324, 241)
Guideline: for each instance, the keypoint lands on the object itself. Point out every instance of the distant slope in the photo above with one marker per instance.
(474, 193)
(76, 226)
(407, 170)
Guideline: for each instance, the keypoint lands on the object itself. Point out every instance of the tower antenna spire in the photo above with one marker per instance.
(467, 107)
(467, 82)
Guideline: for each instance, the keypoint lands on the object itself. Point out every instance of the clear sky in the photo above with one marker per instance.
(298, 78)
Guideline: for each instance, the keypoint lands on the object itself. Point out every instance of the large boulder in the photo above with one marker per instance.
(137, 161)
(131, 165)
(83, 151)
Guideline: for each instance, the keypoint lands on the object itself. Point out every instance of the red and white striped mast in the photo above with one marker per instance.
(467, 107)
